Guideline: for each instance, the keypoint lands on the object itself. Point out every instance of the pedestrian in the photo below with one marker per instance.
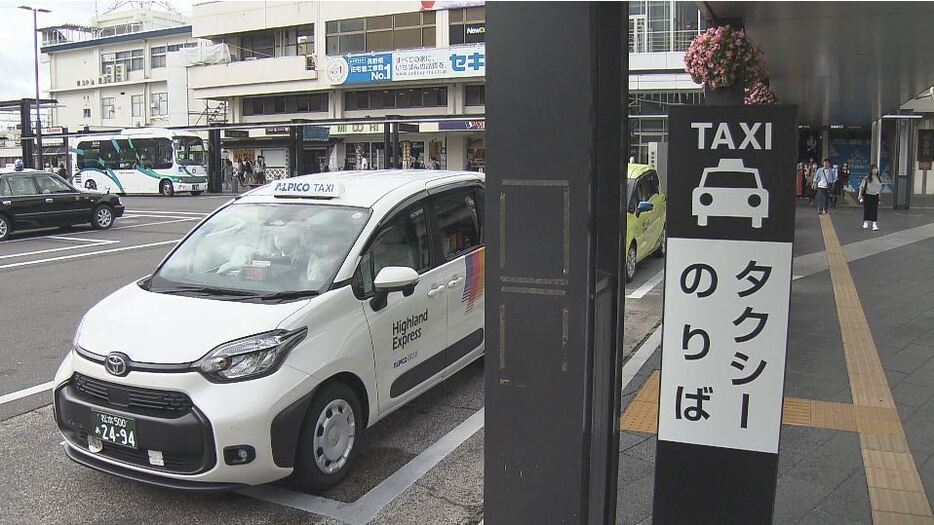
(227, 171)
(823, 183)
(62, 172)
(869, 190)
(834, 190)
(809, 188)
(240, 169)
(435, 165)
(260, 170)
(364, 163)
(248, 172)
(799, 180)
(844, 177)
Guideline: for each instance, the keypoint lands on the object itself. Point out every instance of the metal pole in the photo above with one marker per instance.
(35, 35)
(387, 144)
(396, 151)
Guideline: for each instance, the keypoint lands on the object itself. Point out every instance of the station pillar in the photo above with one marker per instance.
(554, 225)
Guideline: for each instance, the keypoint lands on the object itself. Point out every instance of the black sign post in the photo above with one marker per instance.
(727, 289)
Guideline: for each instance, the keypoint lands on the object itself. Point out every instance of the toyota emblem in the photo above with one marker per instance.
(116, 364)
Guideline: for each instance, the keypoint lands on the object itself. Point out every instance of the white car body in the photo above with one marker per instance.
(730, 202)
(347, 340)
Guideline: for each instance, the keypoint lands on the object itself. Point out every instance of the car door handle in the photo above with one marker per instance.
(48, 200)
(437, 290)
(455, 281)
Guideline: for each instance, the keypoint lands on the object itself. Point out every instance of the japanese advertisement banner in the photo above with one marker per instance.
(414, 64)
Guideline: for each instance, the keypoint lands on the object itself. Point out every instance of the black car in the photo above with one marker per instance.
(35, 199)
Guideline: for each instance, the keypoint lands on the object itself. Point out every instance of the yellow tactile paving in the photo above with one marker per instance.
(896, 494)
(642, 413)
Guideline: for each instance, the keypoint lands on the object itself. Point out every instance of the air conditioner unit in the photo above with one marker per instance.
(119, 73)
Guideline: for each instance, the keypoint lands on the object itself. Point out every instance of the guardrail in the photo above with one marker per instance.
(661, 41)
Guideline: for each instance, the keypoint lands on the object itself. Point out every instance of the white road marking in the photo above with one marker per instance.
(168, 212)
(50, 250)
(87, 254)
(62, 238)
(155, 216)
(6, 398)
(640, 292)
(365, 509)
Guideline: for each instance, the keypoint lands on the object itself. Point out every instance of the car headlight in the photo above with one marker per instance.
(249, 358)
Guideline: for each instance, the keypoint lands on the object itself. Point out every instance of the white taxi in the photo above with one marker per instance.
(285, 324)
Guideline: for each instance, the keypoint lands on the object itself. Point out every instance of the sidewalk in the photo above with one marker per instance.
(857, 443)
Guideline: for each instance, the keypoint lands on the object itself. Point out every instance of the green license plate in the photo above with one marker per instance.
(114, 429)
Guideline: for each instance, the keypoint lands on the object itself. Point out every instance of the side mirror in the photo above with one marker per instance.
(393, 279)
(645, 206)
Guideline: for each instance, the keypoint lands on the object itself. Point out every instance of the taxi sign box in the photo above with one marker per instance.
(311, 190)
(727, 292)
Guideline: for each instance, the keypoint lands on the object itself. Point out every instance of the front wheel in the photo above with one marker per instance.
(5, 228)
(103, 217)
(166, 188)
(329, 438)
(196, 193)
(631, 263)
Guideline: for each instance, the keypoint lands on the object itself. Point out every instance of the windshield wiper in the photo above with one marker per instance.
(205, 290)
(289, 294)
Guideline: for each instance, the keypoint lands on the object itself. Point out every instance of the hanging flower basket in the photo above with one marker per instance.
(723, 56)
(759, 94)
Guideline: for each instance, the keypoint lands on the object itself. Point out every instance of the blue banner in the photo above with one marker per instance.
(366, 69)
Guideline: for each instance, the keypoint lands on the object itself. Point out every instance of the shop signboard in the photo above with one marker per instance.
(730, 229)
(236, 133)
(406, 65)
(926, 146)
(279, 130)
(315, 133)
(462, 125)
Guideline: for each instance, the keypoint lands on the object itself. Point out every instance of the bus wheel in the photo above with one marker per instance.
(196, 193)
(90, 184)
(166, 188)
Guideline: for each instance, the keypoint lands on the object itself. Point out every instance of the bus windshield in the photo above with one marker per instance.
(263, 248)
(189, 151)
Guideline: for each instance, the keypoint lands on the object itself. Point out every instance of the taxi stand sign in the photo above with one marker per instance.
(727, 294)
(307, 190)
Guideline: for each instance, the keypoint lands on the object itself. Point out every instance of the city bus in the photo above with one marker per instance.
(145, 160)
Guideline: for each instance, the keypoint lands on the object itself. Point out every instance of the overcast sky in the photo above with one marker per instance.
(17, 73)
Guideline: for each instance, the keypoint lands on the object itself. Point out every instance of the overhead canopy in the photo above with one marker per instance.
(842, 63)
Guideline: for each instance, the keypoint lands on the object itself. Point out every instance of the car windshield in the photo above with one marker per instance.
(261, 250)
(730, 179)
(189, 151)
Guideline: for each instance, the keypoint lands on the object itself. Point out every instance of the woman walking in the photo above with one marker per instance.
(869, 191)
(799, 180)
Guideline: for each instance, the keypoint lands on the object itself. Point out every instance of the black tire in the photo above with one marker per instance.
(662, 245)
(102, 218)
(6, 228)
(90, 184)
(166, 188)
(631, 263)
(196, 193)
(308, 469)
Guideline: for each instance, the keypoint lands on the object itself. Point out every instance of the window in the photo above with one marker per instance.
(261, 44)
(304, 103)
(108, 110)
(157, 57)
(126, 60)
(401, 242)
(475, 95)
(396, 98)
(381, 33)
(467, 26)
(125, 153)
(457, 222)
(86, 112)
(136, 101)
(160, 104)
(22, 186)
(5, 188)
(50, 184)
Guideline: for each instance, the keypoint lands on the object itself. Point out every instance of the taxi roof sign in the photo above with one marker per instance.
(307, 190)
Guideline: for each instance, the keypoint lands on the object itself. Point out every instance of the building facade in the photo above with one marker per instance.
(116, 71)
(348, 60)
